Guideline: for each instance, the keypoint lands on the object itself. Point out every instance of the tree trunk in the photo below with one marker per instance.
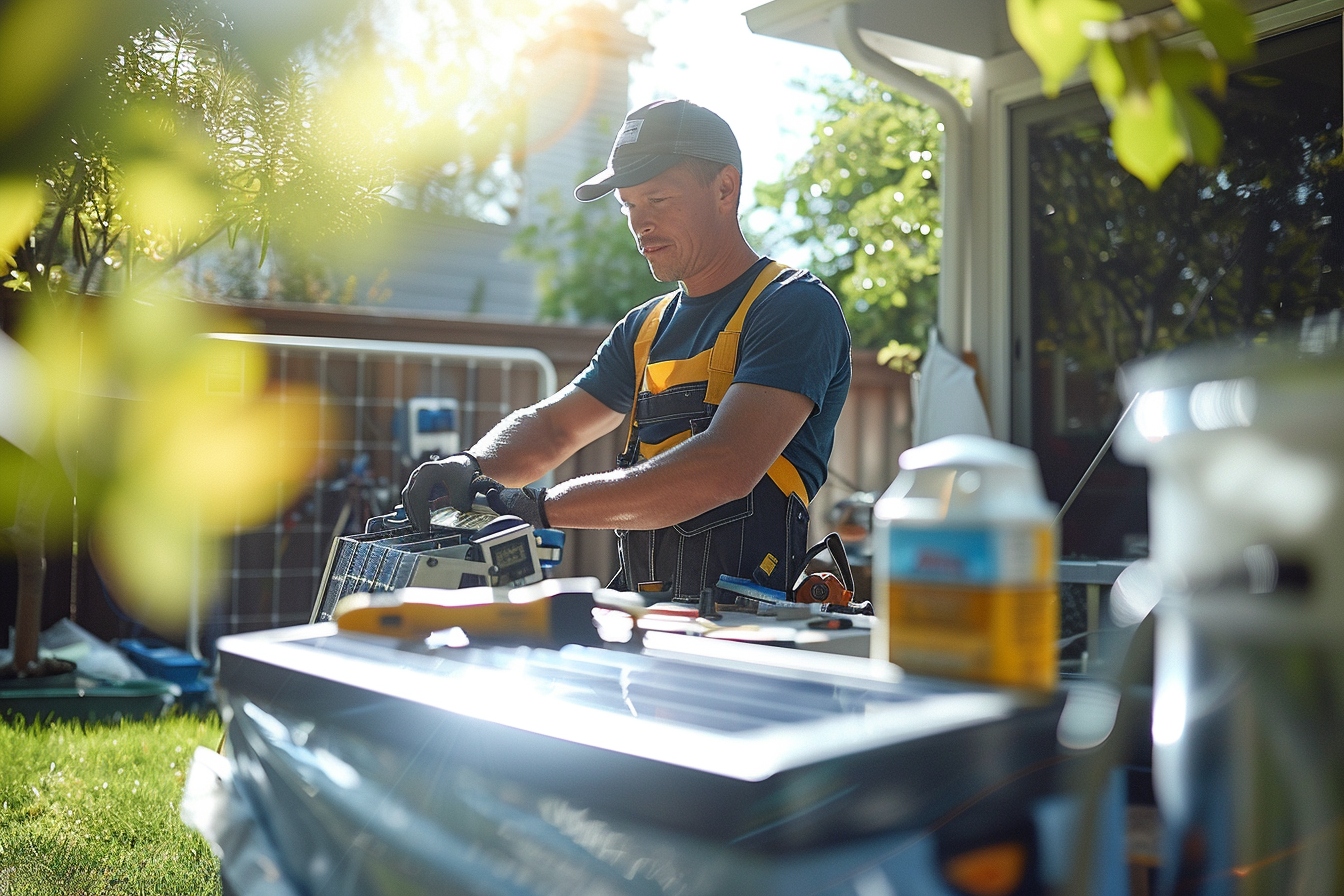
(28, 535)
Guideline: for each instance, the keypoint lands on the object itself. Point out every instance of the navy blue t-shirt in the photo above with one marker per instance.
(794, 338)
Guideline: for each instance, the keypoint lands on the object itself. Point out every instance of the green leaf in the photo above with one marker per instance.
(1184, 69)
(900, 356)
(1224, 25)
(1141, 59)
(1204, 133)
(1051, 32)
(19, 282)
(1148, 137)
(21, 204)
(1108, 76)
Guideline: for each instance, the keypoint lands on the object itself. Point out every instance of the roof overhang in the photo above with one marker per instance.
(937, 33)
(943, 33)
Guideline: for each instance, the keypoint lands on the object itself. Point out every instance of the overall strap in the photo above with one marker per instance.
(723, 358)
(643, 342)
(723, 367)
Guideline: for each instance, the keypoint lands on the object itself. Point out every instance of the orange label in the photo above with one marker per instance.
(997, 634)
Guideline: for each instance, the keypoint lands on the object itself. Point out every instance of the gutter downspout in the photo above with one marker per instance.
(955, 183)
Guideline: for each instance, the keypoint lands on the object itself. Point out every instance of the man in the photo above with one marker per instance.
(735, 380)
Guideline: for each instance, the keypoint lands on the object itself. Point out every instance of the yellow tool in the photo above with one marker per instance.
(555, 611)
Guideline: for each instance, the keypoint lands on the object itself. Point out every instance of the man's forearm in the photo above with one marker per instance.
(751, 428)
(518, 449)
(532, 441)
(695, 476)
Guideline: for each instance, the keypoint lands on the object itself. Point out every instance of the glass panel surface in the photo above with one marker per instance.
(1116, 272)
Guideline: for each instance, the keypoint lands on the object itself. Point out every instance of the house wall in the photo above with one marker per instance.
(576, 82)
(427, 263)
(578, 91)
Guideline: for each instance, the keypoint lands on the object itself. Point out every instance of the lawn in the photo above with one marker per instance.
(92, 809)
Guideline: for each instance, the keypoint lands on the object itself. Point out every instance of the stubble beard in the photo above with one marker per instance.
(664, 271)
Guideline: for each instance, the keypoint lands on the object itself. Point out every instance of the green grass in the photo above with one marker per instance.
(92, 809)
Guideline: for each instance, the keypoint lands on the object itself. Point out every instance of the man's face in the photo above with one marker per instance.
(676, 221)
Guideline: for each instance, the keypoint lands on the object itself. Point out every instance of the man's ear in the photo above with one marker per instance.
(728, 186)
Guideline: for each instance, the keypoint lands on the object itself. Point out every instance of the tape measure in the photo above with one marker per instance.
(826, 587)
(822, 588)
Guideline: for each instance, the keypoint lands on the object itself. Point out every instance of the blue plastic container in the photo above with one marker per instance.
(158, 659)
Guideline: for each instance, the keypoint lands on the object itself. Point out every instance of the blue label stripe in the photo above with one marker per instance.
(944, 555)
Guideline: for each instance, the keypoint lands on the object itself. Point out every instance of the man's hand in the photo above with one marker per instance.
(526, 503)
(454, 474)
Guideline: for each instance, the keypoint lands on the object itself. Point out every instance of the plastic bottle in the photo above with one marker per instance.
(965, 565)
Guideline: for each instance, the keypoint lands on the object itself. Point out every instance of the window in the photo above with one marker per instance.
(1106, 271)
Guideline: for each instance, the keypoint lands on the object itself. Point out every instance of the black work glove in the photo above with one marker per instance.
(453, 473)
(525, 503)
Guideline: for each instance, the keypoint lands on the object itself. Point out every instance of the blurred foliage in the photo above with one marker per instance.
(434, 85)
(589, 268)
(1149, 88)
(54, 50)
(864, 202)
(134, 135)
(173, 440)
(190, 146)
(185, 142)
(1234, 250)
(900, 356)
(144, 134)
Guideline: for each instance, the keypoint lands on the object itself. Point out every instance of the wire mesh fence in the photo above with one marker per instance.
(387, 406)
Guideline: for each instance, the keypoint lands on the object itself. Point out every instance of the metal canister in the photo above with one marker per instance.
(1245, 450)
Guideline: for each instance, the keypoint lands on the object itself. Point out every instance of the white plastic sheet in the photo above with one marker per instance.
(211, 804)
(20, 400)
(91, 655)
(946, 401)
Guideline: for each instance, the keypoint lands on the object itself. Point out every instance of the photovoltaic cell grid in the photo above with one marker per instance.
(272, 572)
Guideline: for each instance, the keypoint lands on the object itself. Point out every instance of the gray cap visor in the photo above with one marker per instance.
(631, 173)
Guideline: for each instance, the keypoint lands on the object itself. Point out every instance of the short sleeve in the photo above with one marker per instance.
(796, 339)
(610, 375)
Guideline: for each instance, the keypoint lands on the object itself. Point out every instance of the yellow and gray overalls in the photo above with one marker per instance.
(761, 536)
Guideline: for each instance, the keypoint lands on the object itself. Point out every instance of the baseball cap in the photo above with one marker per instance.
(656, 137)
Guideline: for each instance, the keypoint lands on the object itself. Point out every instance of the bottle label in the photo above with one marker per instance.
(1016, 555)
